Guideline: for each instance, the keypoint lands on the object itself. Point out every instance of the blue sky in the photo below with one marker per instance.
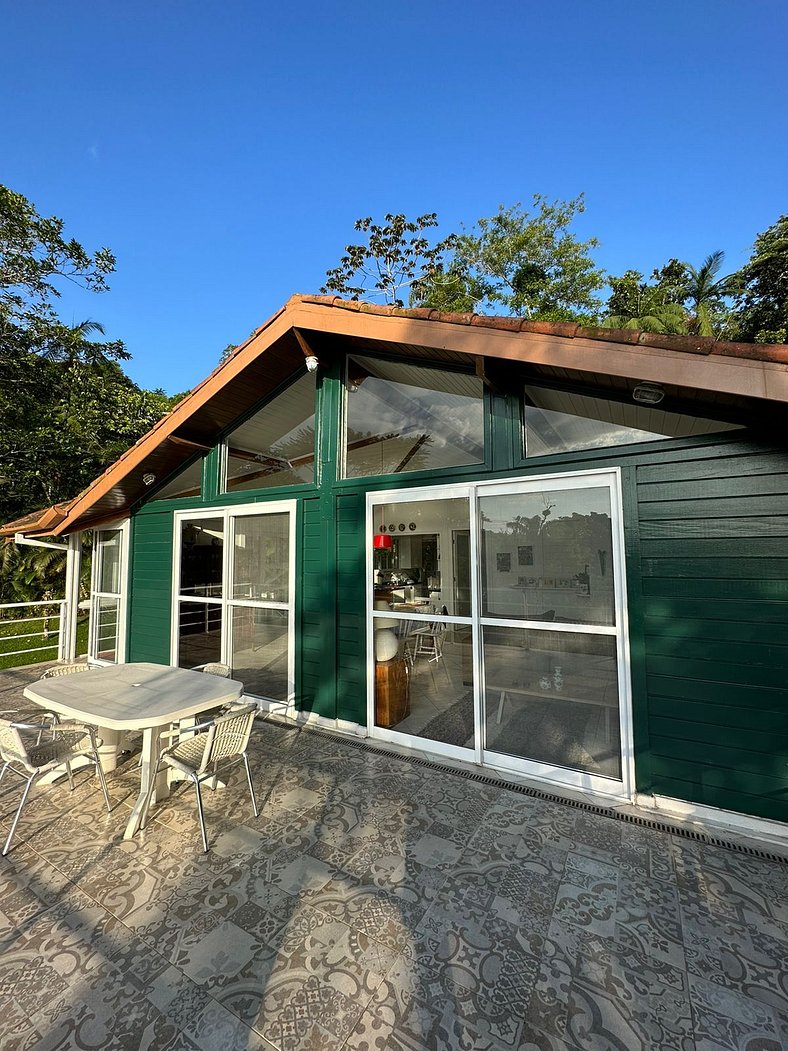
(223, 148)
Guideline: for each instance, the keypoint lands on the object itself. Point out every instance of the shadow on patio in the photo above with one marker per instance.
(376, 903)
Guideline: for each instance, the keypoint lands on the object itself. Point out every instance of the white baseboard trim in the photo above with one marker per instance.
(713, 821)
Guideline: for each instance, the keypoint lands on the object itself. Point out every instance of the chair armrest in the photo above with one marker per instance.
(197, 728)
(32, 726)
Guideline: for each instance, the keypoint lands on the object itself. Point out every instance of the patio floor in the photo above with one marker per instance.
(376, 904)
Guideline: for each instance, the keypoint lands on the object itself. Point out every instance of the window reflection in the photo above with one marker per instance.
(187, 482)
(547, 556)
(276, 446)
(201, 557)
(553, 697)
(403, 417)
(558, 421)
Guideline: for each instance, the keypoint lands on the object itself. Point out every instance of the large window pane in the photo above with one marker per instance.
(199, 633)
(108, 550)
(201, 557)
(553, 697)
(403, 417)
(421, 559)
(548, 556)
(261, 557)
(260, 651)
(276, 446)
(559, 421)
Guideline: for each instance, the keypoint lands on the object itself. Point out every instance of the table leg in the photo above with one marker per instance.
(150, 757)
(108, 750)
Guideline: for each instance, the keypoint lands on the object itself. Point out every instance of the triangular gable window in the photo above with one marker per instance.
(275, 446)
(187, 482)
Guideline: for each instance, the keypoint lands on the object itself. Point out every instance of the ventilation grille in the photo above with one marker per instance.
(527, 790)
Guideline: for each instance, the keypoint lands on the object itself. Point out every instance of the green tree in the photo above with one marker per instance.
(67, 409)
(706, 294)
(390, 264)
(655, 306)
(35, 257)
(761, 308)
(527, 262)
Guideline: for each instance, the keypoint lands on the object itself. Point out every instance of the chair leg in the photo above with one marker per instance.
(5, 766)
(201, 814)
(70, 775)
(245, 758)
(18, 814)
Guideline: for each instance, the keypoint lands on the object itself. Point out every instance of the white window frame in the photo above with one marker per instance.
(123, 526)
(227, 516)
(609, 788)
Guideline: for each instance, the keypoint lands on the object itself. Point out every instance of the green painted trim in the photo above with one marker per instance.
(637, 640)
(210, 474)
(501, 431)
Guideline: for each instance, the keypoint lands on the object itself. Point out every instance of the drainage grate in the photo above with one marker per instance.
(577, 804)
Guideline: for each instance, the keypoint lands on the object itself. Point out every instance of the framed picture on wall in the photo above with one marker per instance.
(503, 561)
(525, 555)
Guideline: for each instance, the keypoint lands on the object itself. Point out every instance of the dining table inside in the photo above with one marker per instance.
(134, 697)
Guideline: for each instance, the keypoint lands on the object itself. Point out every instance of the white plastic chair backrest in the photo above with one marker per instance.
(12, 747)
(215, 668)
(228, 736)
(64, 669)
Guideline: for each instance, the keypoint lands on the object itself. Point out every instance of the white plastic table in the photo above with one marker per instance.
(147, 697)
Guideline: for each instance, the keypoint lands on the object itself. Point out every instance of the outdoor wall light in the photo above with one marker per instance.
(148, 478)
(648, 393)
(311, 363)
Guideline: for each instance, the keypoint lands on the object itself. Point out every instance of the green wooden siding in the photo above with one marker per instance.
(713, 549)
(706, 534)
(351, 608)
(315, 691)
(150, 591)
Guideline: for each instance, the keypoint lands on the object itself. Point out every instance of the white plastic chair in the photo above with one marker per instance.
(69, 740)
(215, 668)
(200, 749)
(66, 669)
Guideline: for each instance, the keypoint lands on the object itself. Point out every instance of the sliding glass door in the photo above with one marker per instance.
(512, 652)
(235, 592)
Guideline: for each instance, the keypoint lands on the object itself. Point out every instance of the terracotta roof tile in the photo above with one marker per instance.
(665, 341)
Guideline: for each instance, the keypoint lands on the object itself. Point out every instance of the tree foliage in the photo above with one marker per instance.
(527, 263)
(67, 409)
(762, 288)
(706, 292)
(655, 306)
(390, 263)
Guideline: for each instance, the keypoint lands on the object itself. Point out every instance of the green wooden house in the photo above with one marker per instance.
(554, 552)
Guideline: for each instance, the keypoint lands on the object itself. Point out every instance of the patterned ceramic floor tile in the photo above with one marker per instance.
(726, 1020)
(378, 905)
(587, 895)
(418, 1007)
(648, 918)
(739, 957)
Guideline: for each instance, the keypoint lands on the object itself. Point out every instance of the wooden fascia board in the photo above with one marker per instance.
(278, 325)
(742, 377)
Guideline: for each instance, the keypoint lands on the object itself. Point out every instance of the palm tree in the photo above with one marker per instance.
(706, 292)
(665, 317)
(69, 343)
